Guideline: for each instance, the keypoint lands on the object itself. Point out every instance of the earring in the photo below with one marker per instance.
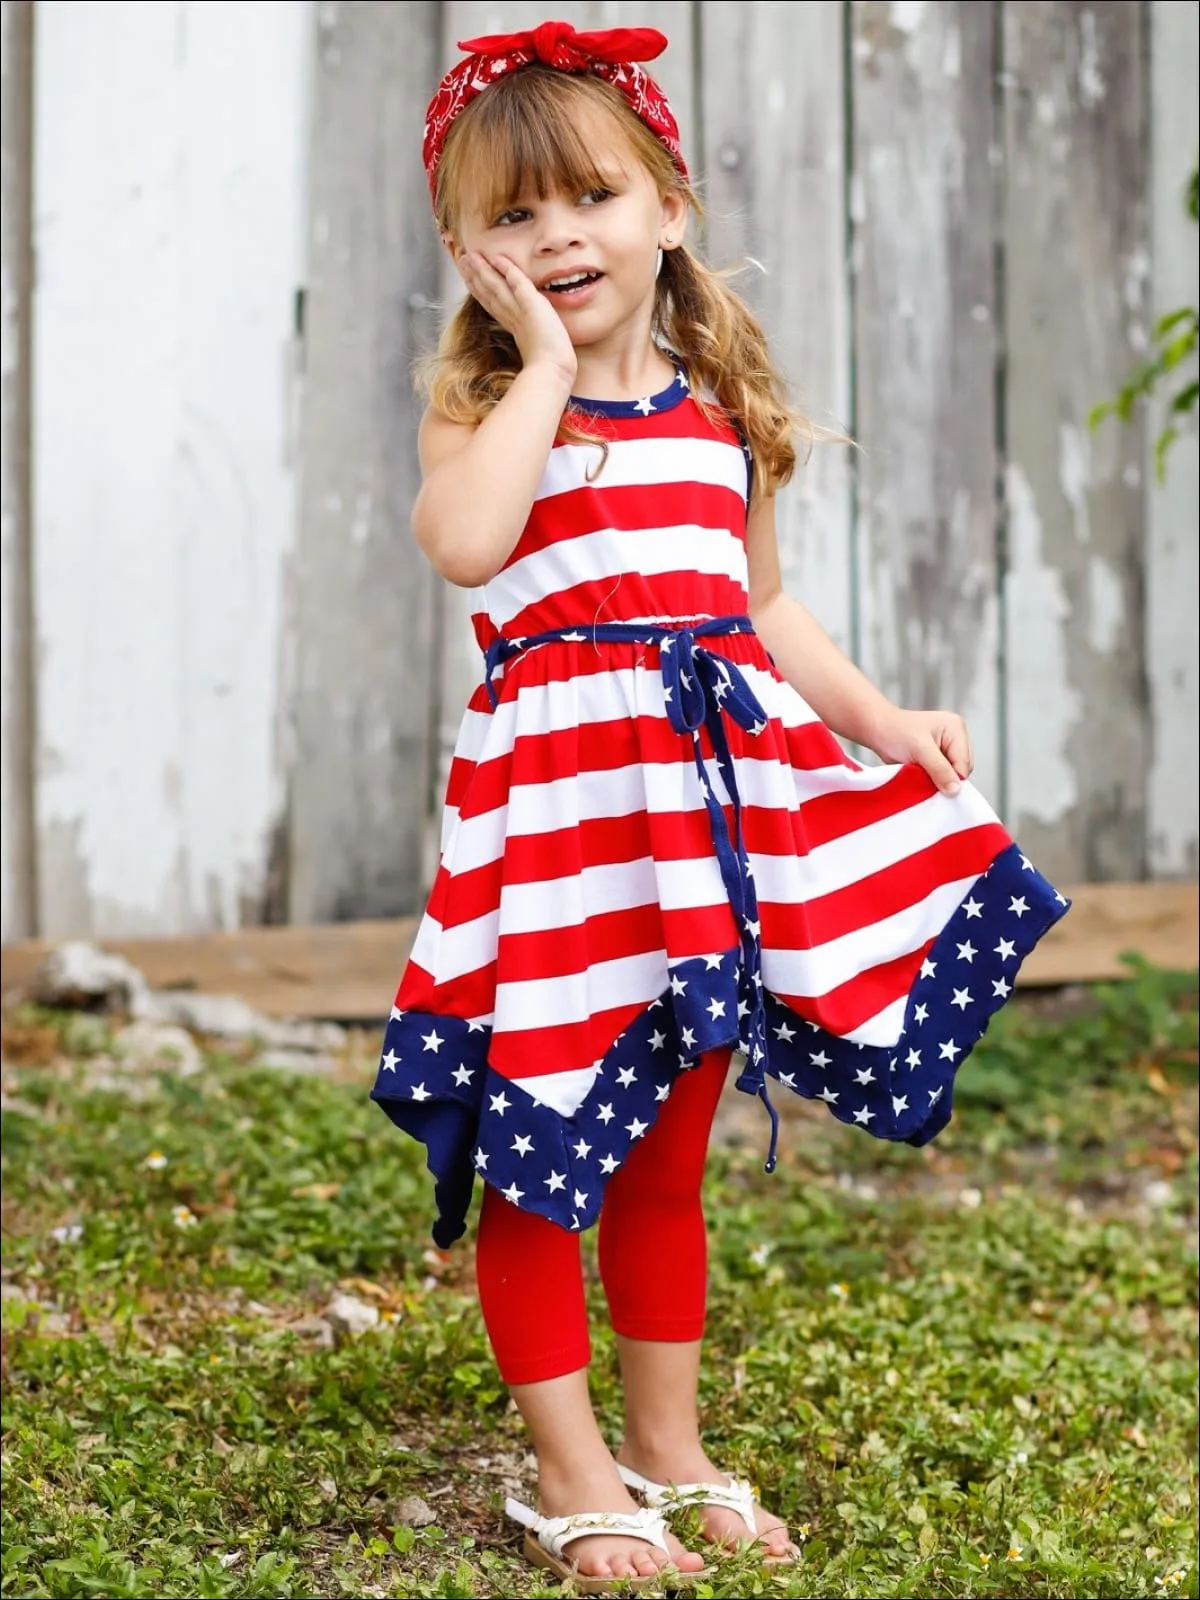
(658, 265)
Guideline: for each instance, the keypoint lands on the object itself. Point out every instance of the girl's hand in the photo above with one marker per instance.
(505, 293)
(938, 741)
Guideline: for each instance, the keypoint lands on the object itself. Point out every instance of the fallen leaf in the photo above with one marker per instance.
(316, 1191)
(1158, 1082)
(373, 1291)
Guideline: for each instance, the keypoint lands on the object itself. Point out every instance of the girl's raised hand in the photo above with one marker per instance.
(938, 741)
(506, 293)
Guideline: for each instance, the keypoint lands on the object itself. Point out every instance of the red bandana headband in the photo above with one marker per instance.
(611, 54)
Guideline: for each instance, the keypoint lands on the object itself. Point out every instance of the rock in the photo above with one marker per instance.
(21, 1108)
(349, 1317)
(317, 1330)
(148, 1046)
(413, 1512)
(78, 976)
(102, 1075)
(225, 1016)
(302, 1061)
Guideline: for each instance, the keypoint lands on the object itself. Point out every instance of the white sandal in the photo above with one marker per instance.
(546, 1539)
(737, 1496)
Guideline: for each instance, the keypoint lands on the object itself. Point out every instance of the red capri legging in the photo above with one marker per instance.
(652, 1248)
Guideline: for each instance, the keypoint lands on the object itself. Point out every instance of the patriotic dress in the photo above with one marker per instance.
(652, 848)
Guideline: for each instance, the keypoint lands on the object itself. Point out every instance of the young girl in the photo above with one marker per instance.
(655, 850)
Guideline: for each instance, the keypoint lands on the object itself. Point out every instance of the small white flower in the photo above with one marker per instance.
(839, 1291)
(970, 1199)
(759, 1254)
(183, 1217)
(70, 1233)
(155, 1161)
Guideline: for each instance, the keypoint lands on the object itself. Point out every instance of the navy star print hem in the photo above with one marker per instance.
(435, 1082)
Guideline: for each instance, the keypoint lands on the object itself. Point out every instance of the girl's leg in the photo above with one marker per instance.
(654, 1263)
(531, 1293)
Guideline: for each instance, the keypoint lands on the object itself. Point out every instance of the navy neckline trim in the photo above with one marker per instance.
(666, 399)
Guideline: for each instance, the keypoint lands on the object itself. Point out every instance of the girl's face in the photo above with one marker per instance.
(593, 255)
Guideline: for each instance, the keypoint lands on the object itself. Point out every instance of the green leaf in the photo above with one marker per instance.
(1186, 399)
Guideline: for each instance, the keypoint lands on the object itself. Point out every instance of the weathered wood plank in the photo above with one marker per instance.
(925, 360)
(772, 156)
(1107, 921)
(348, 970)
(467, 19)
(17, 854)
(1172, 567)
(170, 146)
(364, 613)
(1076, 261)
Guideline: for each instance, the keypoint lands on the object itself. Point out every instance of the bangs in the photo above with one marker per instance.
(534, 131)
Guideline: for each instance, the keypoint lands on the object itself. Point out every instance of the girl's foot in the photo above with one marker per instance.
(569, 1491)
(721, 1526)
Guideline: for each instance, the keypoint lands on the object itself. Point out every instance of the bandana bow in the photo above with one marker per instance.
(558, 45)
(610, 53)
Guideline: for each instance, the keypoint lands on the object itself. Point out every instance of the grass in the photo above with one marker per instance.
(969, 1370)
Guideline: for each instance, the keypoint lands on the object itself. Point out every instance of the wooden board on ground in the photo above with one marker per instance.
(349, 970)
(344, 970)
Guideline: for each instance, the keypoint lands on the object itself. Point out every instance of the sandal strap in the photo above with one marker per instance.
(554, 1534)
(737, 1495)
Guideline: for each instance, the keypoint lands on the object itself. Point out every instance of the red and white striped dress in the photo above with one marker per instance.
(603, 912)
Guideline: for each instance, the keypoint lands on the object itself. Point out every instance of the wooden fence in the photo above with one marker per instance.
(230, 682)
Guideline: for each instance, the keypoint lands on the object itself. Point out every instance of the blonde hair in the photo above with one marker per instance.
(529, 130)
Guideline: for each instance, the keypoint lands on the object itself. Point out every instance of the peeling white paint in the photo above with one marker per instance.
(907, 15)
(1041, 779)
(1092, 87)
(360, 526)
(857, 198)
(1106, 605)
(952, 55)
(1074, 475)
(1135, 278)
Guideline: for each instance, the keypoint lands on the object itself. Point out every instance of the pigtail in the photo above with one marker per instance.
(722, 345)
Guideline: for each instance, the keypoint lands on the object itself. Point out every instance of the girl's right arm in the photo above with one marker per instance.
(480, 482)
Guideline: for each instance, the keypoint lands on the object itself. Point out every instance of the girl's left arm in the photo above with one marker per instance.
(846, 701)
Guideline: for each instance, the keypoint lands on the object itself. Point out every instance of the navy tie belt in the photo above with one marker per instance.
(700, 689)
